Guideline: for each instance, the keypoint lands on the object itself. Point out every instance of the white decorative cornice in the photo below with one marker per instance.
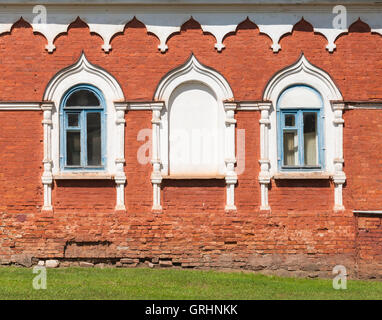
(166, 20)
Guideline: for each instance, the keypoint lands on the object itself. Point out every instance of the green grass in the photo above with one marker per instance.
(141, 283)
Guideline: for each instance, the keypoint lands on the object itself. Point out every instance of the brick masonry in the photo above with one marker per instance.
(302, 235)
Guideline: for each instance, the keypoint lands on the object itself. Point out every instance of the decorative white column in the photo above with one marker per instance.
(264, 176)
(156, 176)
(120, 176)
(47, 176)
(339, 177)
(231, 176)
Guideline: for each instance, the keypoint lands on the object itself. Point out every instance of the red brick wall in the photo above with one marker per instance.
(368, 245)
(362, 144)
(363, 191)
(301, 234)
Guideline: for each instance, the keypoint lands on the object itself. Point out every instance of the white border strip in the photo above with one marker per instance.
(377, 212)
(20, 106)
(139, 105)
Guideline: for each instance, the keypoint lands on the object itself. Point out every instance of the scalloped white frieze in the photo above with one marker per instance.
(107, 26)
(6, 27)
(274, 25)
(163, 25)
(107, 21)
(50, 32)
(275, 32)
(219, 25)
(107, 32)
(323, 24)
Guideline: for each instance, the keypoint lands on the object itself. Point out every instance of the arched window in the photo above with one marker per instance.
(300, 129)
(83, 129)
(304, 135)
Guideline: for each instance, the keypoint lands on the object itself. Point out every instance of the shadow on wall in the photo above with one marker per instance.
(94, 184)
(303, 183)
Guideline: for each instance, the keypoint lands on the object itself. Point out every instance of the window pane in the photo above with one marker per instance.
(290, 148)
(290, 120)
(82, 98)
(94, 139)
(73, 145)
(310, 139)
(73, 119)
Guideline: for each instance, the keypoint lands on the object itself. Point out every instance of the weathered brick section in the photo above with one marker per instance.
(362, 145)
(138, 190)
(302, 235)
(369, 251)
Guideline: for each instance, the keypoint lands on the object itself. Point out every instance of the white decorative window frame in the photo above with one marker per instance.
(83, 72)
(191, 71)
(303, 73)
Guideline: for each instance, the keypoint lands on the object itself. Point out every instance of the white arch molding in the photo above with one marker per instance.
(193, 74)
(83, 72)
(304, 73)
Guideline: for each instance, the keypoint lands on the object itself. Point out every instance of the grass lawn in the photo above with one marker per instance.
(140, 283)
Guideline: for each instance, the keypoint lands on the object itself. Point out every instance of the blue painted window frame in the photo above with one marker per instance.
(82, 128)
(299, 127)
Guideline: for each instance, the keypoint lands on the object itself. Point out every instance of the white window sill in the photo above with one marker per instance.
(83, 176)
(201, 177)
(302, 176)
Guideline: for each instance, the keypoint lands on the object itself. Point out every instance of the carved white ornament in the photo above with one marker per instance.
(303, 72)
(47, 176)
(83, 72)
(164, 21)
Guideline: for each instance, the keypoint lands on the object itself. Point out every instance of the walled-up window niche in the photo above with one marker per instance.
(193, 128)
(196, 133)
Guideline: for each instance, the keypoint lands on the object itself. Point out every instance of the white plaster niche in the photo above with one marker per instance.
(196, 133)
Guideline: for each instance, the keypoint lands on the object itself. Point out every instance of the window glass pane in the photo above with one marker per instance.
(290, 120)
(310, 139)
(290, 148)
(82, 98)
(94, 138)
(73, 145)
(73, 119)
